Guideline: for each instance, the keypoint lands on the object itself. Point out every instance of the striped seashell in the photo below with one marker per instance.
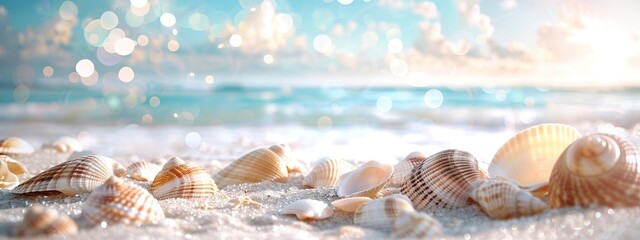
(415, 225)
(599, 169)
(308, 209)
(72, 177)
(260, 165)
(117, 201)
(443, 181)
(284, 151)
(327, 173)
(143, 170)
(528, 157)
(365, 181)
(41, 221)
(404, 167)
(502, 199)
(350, 204)
(179, 179)
(381, 213)
(15, 146)
(9, 171)
(66, 144)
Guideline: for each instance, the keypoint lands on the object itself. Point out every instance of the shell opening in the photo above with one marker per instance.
(366, 178)
(592, 155)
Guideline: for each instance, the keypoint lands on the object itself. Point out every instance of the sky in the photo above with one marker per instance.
(200, 43)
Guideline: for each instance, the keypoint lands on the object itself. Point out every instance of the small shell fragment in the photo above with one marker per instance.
(381, 213)
(327, 173)
(415, 225)
(365, 181)
(15, 146)
(308, 209)
(350, 204)
(179, 179)
(501, 199)
(41, 221)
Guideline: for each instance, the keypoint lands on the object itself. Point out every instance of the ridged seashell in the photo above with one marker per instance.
(327, 173)
(350, 204)
(9, 171)
(600, 169)
(284, 151)
(178, 179)
(381, 213)
(404, 167)
(143, 170)
(45, 221)
(501, 199)
(67, 144)
(308, 209)
(117, 201)
(365, 181)
(80, 175)
(415, 225)
(528, 157)
(15, 146)
(443, 181)
(259, 165)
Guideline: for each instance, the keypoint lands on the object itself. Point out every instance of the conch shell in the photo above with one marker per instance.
(365, 181)
(327, 173)
(41, 221)
(15, 146)
(179, 179)
(404, 167)
(308, 209)
(263, 164)
(9, 171)
(501, 199)
(415, 225)
(381, 213)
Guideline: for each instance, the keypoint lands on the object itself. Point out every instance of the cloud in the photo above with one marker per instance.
(470, 11)
(428, 10)
(508, 4)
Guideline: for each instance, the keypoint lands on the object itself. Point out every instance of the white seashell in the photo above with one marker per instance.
(67, 144)
(403, 168)
(9, 171)
(599, 169)
(350, 204)
(15, 146)
(178, 179)
(72, 177)
(143, 170)
(41, 221)
(365, 181)
(327, 173)
(262, 164)
(501, 199)
(381, 213)
(415, 225)
(117, 201)
(308, 209)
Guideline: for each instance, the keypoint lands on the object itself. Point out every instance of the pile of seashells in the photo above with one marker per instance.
(547, 165)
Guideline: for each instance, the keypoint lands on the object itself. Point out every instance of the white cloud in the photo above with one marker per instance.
(508, 4)
(470, 11)
(428, 10)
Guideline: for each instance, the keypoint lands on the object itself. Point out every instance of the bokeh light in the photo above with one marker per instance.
(395, 45)
(283, 22)
(138, 3)
(322, 43)
(168, 19)
(47, 71)
(193, 139)
(154, 101)
(126, 74)
(124, 46)
(147, 119)
(235, 40)
(384, 104)
(433, 98)
(325, 123)
(91, 79)
(173, 45)
(108, 20)
(209, 79)
(85, 68)
(143, 40)
(268, 59)
(68, 10)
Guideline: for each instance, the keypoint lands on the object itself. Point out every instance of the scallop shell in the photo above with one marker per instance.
(284, 151)
(9, 171)
(365, 181)
(15, 146)
(308, 209)
(600, 169)
(117, 201)
(381, 213)
(45, 221)
(72, 177)
(67, 144)
(182, 180)
(404, 167)
(415, 225)
(262, 164)
(327, 173)
(503, 200)
(143, 170)
(528, 157)
(443, 181)
(350, 204)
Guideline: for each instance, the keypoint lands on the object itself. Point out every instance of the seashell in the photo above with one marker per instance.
(178, 179)
(67, 144)
(15, 146)
(262, 164)
(45, 221)
(528, 157)
(9, 171)
(365, 181)
(143, 170)
(443, 181)
(415, 225)
(501, 199)
(72, 177)
(404, 167)
(308, 209)
(284, 151)
(600, 169)
(327, 173)
(117, 201)
(350, 204)
(381, 213)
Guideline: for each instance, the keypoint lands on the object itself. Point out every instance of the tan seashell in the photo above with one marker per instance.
(15, 146)
(308, 209)
(350, 204)
(284, 151)
(117, 201)
(415, 225)
(182, 180)
(528, 157)
(72, 177)
(443, 181)
(143, 170)
(404, 167)
(67, 144)
(327, 173)
(501, 199)
(365, 181)
(262, 164)
(45, 221)
(9, 171)
(381, 213)
(600, 169)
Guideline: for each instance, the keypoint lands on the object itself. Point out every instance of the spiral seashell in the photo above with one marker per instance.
(327, 173)
(528, 157)
(15, 146)
(404, 167)
(365, 181)
(381, 213)
(350, 204)
(262, 164)
(143, 170)
(501, 199)
(117, 201)
(178, 179)
(9, 171)
(443, 181)
(415, 225)
(66, 144)
(40, 221)
(72, 177)
(600, 169)
(308, 209)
